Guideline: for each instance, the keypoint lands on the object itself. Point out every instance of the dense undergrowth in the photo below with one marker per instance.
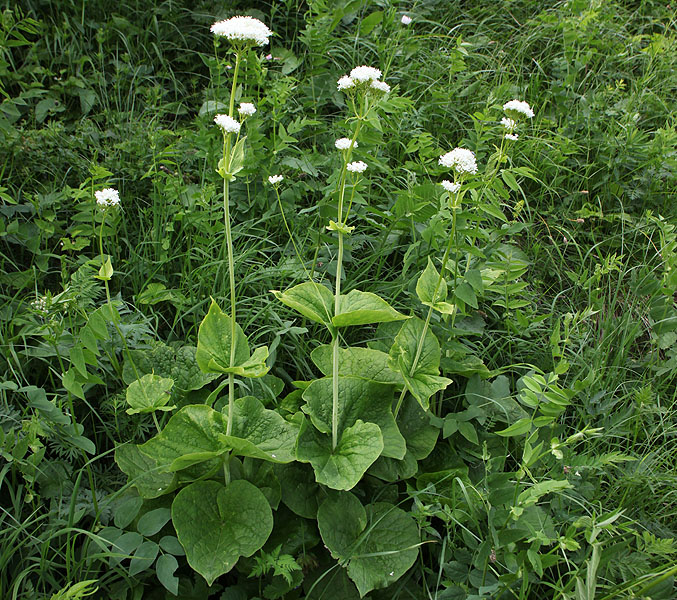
(541, 464)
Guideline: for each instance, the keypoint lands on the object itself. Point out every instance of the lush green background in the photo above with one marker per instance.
(98, 94)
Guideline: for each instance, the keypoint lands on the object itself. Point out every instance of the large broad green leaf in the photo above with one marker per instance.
(214, 347)
(143, 472)
(415, 426)
(216, 525)
(198, 433)
(357, 362)
(362, 308)
(391, 469)
(300, 492)
(361, 399)
(379, 543)
(432, 294)
(311, 299)
(422, 379)
(340, 468)
(148, 394)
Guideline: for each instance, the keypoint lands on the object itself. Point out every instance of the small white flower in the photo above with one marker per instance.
(344, 143)
(461, 160)
(357, 167)
(405, 20)
(512, 136)
(107, 197)
(275, 179)
(228, 124)
(345, 83)
(363, 74)
(451, 187)
(381, 86)
(247, 109)
(518, 108)
(243, 29)
(508, 123)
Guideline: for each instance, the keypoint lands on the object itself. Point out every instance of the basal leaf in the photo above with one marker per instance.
(216, 525)
(359, 399)
(310, 299)
(364, 363)
(362, 308)
(340, 468)
(148, 394)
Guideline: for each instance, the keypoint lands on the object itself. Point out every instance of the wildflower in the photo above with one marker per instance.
(508, 123)
(243, 29)
(345, 83)
(451, 187)
(461, 160)
(345, 143)
(405, 20)
(381, 86)
(516, 109)
(275, 179)
(512, 136)
(357, 167)
(228, 124)
(363, 74)
(40, 304)
(247, 109)
(269, 57)
(107, 197)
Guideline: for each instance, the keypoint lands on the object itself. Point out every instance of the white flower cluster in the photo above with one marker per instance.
(227, 124)
(460, 160)
(369, 77)
(275, 179)
(344, 143)
(247, 109)
(451, 187)
(243, 29)
(508, 123)
(357, 167)
(40, 304)
(516, 109)
(107, 198)
(405, 20)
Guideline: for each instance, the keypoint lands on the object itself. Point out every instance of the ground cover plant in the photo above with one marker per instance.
(338, 299)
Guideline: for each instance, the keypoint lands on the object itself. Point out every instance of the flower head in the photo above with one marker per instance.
(381, 86)
(228, 124)
(344, 143)
(451, 187)
(405, 20)
(247, 109)
(275, 179)
(517, 108)
(460, 160)
(243, 29)
(512, 136)
(508, 123)
(107, 197)
(357, 167)
(363, 74)
(345, 83)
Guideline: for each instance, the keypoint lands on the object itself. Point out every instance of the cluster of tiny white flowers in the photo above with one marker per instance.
(344, 143)
(517, 108)
(370, 76)
(460, 160)
(512, 136)
(451, 187)
(247, 109)
(40, 304)
(243, 29)
(357, 167)
(405, 20)
(275, 179)
(107, 198)
(508, 123)
(228, 124)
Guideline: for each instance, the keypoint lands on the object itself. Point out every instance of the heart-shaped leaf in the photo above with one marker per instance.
(379, 543)
(340, 468)
(361, 399)
(216, 525)
(310, 299)
(363, 308)
(148, 394)
(364, 363)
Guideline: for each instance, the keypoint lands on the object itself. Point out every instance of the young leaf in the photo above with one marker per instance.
(427, 285)
(148, 394)
(363, 308)
(214, 342)
(216, 524)
(343, 467)
(310, 299)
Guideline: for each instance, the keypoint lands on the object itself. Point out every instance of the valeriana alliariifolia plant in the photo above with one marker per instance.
(219, 511)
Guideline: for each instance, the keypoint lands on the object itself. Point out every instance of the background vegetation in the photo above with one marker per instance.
(581, 247)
